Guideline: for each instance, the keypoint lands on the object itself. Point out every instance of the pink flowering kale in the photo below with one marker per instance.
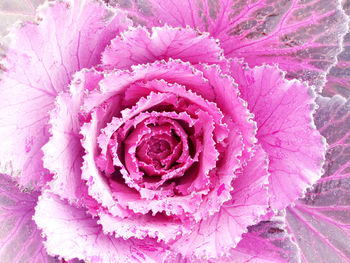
(164, 131)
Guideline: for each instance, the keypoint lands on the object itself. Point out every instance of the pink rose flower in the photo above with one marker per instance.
(154, 144)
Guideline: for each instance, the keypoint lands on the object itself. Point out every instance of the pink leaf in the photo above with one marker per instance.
(138, 46)
(161, 228)
(63, 152)
(283, 112)
(216, 235)
(39, 64)
(20, 240)
(71, 232)
(289, 33)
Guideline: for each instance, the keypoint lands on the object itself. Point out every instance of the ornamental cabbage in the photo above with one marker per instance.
(155, 142)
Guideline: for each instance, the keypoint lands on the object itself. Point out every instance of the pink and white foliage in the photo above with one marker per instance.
(319, 223)
(151, 146)
(338, 77)
(288, 33)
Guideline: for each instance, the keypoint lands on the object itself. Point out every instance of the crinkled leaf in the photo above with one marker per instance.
(115, 83)
(338, 77)
(303, 37)
(138, 46)
(283, 112)
(20, 240)
(216, 235)
(159, 227)
(39, 64)
(63, 154)
(71, 232)
(320, 222)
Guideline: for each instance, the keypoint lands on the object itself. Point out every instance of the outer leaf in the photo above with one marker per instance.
(268, 241)
(39, 64)
(20, 240)
(70, 233)
(265, 242)
(63, 153)
(290, 33)
(320, 222)
(283, 112)
(338, 77)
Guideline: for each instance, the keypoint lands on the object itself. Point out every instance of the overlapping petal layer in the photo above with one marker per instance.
(72, 233)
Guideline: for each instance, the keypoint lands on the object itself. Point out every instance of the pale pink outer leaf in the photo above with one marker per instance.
(289, 33)
(267, 241)
(39, 64)
(320, 222)
(63, 154)
(283, 112)
(338, 77)
(215, 236)
(20, 239)
(71, 232)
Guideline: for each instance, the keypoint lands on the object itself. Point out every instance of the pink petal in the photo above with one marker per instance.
(71, 233)
(138, 46)
(222, 231)
(222, 177)
(39, 64)
(283, 112)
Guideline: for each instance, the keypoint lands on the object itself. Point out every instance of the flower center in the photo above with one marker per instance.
(157, 146)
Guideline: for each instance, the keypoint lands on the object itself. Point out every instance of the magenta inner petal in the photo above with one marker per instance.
(143, 152)
(158, 148)
(164, 147)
